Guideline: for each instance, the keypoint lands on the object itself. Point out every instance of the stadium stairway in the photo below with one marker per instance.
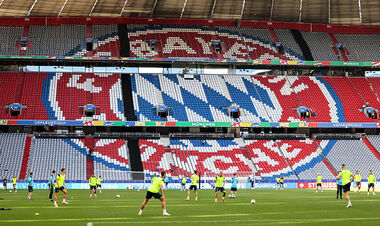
(371, 148)
(274, 35)
(127, 97)
(135, 159)
(25, 33)
(90, 144)
(333, 39)
(25, 159)
(302, 44)
(124, 40)
(286, 159)
(89, 34)
(325, 160)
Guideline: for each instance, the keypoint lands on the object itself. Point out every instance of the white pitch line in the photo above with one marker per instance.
(238, 221)
(89, 224)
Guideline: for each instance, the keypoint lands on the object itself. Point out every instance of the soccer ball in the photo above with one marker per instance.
(230, 196)
(117, 196)
(253, 201)
(10, 190)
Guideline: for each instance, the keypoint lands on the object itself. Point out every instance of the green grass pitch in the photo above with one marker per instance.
(289, 207)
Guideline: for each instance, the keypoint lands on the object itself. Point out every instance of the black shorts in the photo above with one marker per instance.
(282, 183)
(233, 189)
(358, 184)
(166, 183)
(30, 188)
(278, 182)
(371, 185)
(319, 185)
(59, 189)
(193, 187)
(149, 195)
(182, 184)
(98, 185)
(4, 185)
(219, 189)
(92, 187)
(346, 187)
(339, 187)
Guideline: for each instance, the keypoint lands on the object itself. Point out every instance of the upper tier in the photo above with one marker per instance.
(188, 42)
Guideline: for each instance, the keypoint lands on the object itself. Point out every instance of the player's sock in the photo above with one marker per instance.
(373, 193)
(55, 203)
(64, 200)
(196, 197)
(140, 212)
(90, 195)
(216, 200)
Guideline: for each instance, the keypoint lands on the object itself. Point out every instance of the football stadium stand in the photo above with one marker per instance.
(187, 41)
(259, 98)
(206, 98)
(12, 152)
(62, 96)
(10, 41)
(357, 158)
(267, 159)
(56, 40)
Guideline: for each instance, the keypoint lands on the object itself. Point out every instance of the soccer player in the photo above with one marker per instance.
(14, 182)
(99, 183)
(282, 182)
(346, 176)
(30, 185)
(51, 185)
(166, 181)
(219, 186)
(234, 185)
(153, 191)
(371, 182)
(5, 183)
(278, 183)
(183, 183)
(319, 183)
(358, 179)
(92, 182)
(60, 185)
(339, 186)
(193, 185)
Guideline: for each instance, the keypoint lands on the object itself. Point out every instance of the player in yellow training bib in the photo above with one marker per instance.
(99, 183)
(194, 182)
(219, 186)
(346, 176)
(154, 191)
(60, 185)
(371, 182)
(183, 183)
(319, 182)
(14, 182)
(92, 182)
(358, 180)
